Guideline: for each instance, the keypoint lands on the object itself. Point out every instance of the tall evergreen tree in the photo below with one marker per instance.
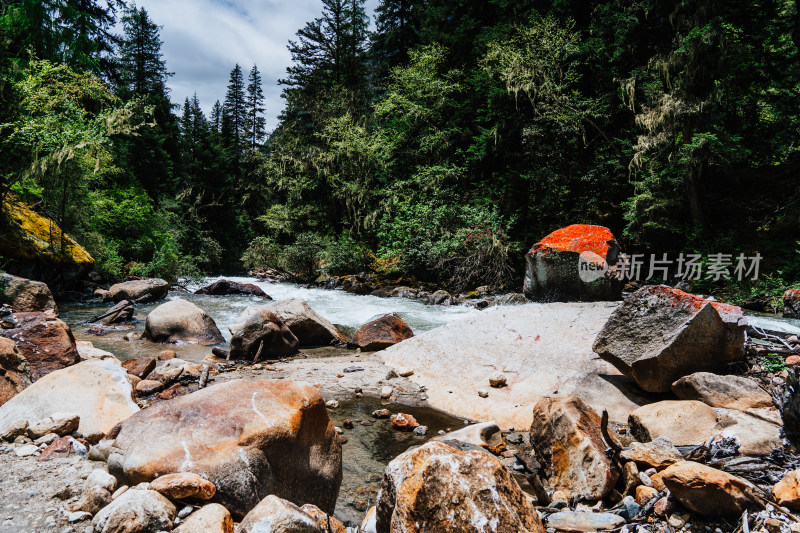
(142, 70)
(256, 123)
(234, 114)
(216, 117)
(396, 33)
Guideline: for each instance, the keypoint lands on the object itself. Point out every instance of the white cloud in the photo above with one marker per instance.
(204, 39)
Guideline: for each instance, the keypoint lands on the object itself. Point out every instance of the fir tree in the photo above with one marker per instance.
(234, 114)
(256, 123)
(216, 116)
(397, 33)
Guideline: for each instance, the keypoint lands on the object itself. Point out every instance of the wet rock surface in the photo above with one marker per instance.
(140, 291)
(382, 333)
(46, 343)
(25, 295)
(181, 321)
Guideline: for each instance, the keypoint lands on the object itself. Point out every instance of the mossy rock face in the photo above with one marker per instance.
(36, 246)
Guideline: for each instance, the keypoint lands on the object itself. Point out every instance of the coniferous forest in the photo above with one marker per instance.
(440, 142)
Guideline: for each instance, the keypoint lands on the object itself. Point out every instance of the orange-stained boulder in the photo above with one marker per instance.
(139, 366)
(574, 263)
(787, 491)
(275, 514)
(708, 491)
(437, 488)
(14, 373)
(386, 331)
(791, 303)
(45, 341)
(404, 422)
(566, 436)
(249, 438)
(660, 334)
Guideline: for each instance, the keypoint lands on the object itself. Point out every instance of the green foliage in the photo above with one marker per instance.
(262, 252)
(345, 256)
(303, 257)
(773, 362)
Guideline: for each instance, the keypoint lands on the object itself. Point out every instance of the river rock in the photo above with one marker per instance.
(584, 522)
(249, 438)
(100, 478)
(791, 303)
(567, 439)
(14, 372)
(136, 511)
(120, 313)
(262, 327)
(25, 295)
(404, 422)
(139, 291)
(88, 352)
(442, 297)
(731, 392)
(541, 349)
(382, 333)
(148, 386)
(92, 500)
(310, 328)
(709, 491)
(211, 518)
(478, 489)
(183, 485)
(274, 514)
(325, 522)
(139, 366)
(170, 370)
(683, 422)
(46, 343)
(486, 435)
(181, 321)
(97, 391)
(553, 266)
(661, 334)
(787, 491)
(224, 287)
(757, 431)
(658, 453)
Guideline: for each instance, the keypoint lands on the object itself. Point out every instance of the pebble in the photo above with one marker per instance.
(483, 393)
(497, 381)
(420, 430)
(331, 404)
(405, 372)
(350, 369)
(26, 450)
(386, 392)
(645, 479)
(186, 511)
(77, 516)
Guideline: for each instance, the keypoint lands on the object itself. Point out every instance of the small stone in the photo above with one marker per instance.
(386, 392)
(348, 424)
(645, 479)
(78, 516)
(792, 360)
(676, 521)
(644, 494)
(584, 522)
(405, 372)
(186, 511)
(26, 450)
(404, 422)
(331, 404)
(420, 431)
(351, 369)
(381, 413)
(483, 393)
(497, 381)
(167, 355)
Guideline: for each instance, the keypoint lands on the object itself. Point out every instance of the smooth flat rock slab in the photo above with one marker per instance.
(541, 349)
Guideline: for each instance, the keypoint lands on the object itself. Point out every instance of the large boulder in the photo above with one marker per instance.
(439, 488)
(660, 334)
(309, 327)
(541, 350)
(14, 372)
(567, 439)
(46, 342)
(249, 438)
(24, 295)
(791, 303)
(263, 330)
(683, 422)
(36, 246)
(274, 514)
(139, 290)
(708, 491)
(381, 333)
(97, 391)
(225, 287)
(574, 263)
(181, 321)
(730, 392)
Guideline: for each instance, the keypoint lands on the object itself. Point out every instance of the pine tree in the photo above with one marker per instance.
(142, 69)
(216, 116)
(396, 33)
(234, 115)
(256, 123)
(330, 50)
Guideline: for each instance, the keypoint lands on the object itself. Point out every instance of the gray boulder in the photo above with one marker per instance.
(660, 334)
(139, 291)
(730, 392)
(264, 330)
(309, 327)
(181, 321)
(25, 295)
(136, 511)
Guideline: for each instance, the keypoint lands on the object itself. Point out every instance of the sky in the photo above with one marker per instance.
(204, 39)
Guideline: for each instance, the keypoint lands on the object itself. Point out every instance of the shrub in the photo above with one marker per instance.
(346, 256)
(304, 256)
(263, 252)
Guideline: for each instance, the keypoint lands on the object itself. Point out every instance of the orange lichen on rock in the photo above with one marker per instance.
(578, 238)
(676, 297)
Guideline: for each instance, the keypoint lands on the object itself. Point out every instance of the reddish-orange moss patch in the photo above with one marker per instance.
(578, 238)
